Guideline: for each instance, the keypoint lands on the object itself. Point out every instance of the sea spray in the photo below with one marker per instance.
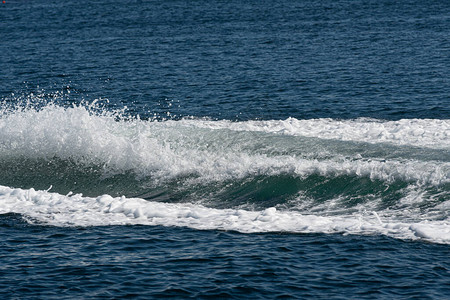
(360, 176)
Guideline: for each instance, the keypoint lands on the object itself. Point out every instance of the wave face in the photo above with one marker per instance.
(360, 176)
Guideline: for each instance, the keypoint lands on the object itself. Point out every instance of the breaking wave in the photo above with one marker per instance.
(360, 176)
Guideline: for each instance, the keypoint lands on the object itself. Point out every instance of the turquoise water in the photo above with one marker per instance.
(224, 149)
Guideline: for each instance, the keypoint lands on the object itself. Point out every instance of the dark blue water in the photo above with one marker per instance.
(302, 59)
(146, 262)
(278, 149)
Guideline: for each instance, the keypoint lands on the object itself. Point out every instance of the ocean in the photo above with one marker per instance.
(225, 149)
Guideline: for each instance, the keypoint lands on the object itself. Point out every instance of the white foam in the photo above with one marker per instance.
(76, 210)
(432, 133)
(222, 150)
(213, 150)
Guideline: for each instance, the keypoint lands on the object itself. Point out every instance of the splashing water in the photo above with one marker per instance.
(360, 176)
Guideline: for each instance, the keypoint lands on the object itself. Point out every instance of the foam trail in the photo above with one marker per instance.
(432, 133)
(59, 210)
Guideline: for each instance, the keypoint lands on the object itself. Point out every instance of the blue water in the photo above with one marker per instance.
(225, 149)
(146, 262)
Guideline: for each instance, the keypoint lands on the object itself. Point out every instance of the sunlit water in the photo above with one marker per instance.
(224, 149)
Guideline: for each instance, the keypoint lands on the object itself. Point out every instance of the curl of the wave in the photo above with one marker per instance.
(87, 133)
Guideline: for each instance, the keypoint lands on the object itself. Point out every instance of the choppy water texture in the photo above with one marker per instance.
(225, 149)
